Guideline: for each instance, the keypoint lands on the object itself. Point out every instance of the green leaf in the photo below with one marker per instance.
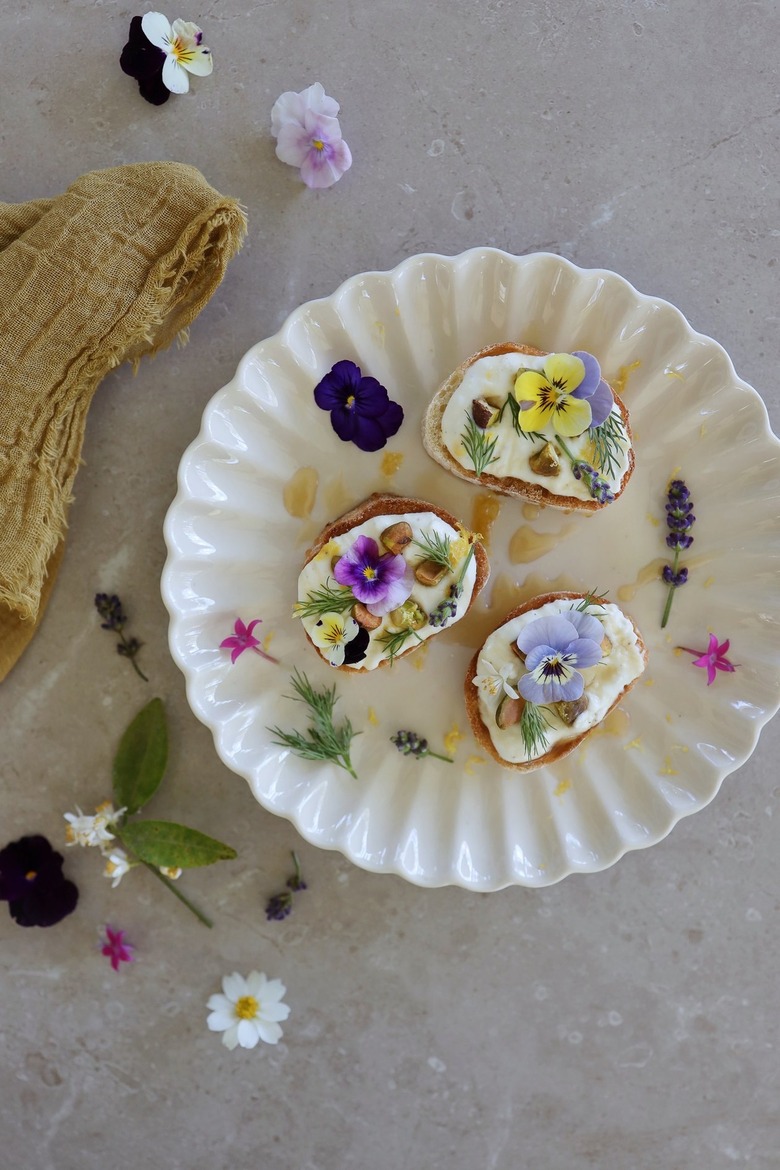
(139, 764)
(165, 843)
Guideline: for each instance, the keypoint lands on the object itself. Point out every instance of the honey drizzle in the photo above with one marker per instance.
(300, 492)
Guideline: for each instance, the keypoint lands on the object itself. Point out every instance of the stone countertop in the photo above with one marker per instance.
(623, 1019)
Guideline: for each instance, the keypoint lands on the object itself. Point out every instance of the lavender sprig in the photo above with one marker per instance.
(409, 743)
(679, 520)
(446, 610)
(597, 486)
(114, 619)
(280, 905)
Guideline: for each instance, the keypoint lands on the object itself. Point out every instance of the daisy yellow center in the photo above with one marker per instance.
(247, 1007)
(369, 573)
(318, 144)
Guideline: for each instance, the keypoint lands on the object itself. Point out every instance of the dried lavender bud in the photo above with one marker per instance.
(114, 619)
(280, 905)
(675, 579)
(409, 743)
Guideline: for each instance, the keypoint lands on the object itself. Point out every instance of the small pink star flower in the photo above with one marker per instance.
(712, 659)
(116, 949)
(243, 639)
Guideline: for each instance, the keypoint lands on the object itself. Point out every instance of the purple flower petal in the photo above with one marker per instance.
(583, 653)
(371, 398)
(369, 434)
(586, 625)
(554, 631)
(551, 692)
(392, 418)
(344, 422)
(601, 404)
(338, 384)
(587, 386)
(398, 591)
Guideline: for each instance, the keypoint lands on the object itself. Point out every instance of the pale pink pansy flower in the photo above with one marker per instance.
(308, 136)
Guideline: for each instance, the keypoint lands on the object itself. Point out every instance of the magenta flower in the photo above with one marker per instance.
(243, 639)
(382, 583)
(116, 949)
(308, 136)
(553, 647)
(712, 659)
(361, 410)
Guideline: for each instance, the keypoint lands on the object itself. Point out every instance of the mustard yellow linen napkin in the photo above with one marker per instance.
(116, 267)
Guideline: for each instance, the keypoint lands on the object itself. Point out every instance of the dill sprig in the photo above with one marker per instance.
(326, 599)
(436, 548)
(609, 441)
(593, 598)
(323, 741)
(393, 641)
(515, 410)
(478, 446)
(533, 723)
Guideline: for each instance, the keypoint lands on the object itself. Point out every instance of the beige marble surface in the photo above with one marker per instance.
(624, 1019)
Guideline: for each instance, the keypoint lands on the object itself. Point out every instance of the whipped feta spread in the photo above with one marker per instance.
(621, 665)
(319, 572)
(494, 377)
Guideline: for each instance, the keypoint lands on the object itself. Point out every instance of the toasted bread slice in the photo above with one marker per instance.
(512, 485)
(625, 668)
(385, 504)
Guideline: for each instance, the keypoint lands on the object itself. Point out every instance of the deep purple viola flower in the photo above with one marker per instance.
(553, 647)
(594, 388)
(144, 61)
(32, 882)
(360, 408)
(382, 583)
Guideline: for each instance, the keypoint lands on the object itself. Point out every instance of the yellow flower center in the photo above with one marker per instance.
(31, 875)
(180, 51)
(351, 400)
(369, 573)
(318, 144)
(247, 1007)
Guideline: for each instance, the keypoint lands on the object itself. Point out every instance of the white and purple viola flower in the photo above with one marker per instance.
(554, 647)
(160, 55)
(382, 583)
(308, 136)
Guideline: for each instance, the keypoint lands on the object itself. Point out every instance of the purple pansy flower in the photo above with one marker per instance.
(594, 388)
(32, 882)
(553, 647)
(360, 408)
(382, 583)
(308, 135)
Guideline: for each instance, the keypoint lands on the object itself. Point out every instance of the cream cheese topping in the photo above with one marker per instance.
(622, 664)
(319, 571)
(495, 377)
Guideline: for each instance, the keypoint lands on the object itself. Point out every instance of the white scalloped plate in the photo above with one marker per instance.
(233, 550)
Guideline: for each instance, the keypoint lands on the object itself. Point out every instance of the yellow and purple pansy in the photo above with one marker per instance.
(567, 394)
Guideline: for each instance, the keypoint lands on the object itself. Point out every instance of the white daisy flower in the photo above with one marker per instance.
(492, 681)
(249, 1010)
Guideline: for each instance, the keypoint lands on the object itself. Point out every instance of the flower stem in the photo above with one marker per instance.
(131, 656)
(565, 449)
(166, 882)
(447, 759)
(265, 654)
(670, 594)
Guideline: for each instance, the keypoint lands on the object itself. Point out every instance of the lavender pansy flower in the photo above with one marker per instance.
(308, 135)
(360, 408)
(382, 583)
(553, 647)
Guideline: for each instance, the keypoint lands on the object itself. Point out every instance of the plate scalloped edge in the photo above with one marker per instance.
(527, 834)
